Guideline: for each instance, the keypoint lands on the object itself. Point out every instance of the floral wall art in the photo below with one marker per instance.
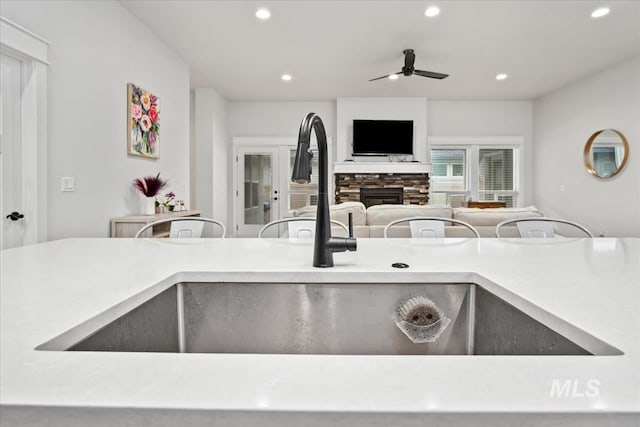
(144, 122)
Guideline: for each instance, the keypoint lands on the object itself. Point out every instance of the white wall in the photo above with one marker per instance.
(96, 49)
(486, 118)
(278, 118)
(349, 109)
(563, 121)
(211, 156)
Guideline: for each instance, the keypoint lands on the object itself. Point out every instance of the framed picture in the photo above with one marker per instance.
(143, 113)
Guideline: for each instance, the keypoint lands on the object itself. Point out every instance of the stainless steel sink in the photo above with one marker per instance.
(324, 318)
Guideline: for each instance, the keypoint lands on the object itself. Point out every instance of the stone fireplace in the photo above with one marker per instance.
(382, 188)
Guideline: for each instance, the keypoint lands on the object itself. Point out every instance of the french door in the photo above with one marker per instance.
(263, 190)
(11, 203)
(23, 136)
(257, 192)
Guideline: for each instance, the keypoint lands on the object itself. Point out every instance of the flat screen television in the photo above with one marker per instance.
(382, 137)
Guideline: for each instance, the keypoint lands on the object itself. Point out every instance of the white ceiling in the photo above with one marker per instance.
(332, 48)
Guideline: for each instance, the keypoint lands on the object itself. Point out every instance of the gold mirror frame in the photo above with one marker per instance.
(587, 151)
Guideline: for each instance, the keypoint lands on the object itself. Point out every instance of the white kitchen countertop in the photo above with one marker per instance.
(47, 289)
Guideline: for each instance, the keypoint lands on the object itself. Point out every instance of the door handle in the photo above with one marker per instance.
(15, 215)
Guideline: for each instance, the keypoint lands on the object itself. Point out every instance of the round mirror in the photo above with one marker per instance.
(606, 153)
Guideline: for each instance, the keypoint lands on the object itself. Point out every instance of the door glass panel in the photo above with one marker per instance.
(258, 172)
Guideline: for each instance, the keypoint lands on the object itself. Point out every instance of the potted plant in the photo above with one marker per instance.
(166, 203)
(149, 186)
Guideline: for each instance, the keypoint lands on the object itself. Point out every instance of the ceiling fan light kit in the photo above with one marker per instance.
(409, 70)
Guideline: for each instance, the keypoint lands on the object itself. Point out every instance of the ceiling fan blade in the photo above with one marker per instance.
(431, 74)
(384, 77)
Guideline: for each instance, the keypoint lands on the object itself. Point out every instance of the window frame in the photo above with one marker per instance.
(472, 145)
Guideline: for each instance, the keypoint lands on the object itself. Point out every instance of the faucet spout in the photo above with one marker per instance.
(324, 245)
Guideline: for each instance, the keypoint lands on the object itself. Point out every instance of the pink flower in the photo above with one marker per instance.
(153, 114)
(136, 111)
(152, 140)
(145, 123)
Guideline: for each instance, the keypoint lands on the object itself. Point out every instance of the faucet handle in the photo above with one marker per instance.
(350, 224)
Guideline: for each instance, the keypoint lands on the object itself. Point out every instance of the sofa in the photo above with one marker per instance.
(370, 222)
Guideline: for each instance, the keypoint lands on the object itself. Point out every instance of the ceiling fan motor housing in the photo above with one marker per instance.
(409, 59)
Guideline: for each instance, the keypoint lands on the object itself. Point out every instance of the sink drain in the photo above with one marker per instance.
(399, 265)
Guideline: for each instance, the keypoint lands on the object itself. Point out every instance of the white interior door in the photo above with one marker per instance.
(257, 192)
(13, 219)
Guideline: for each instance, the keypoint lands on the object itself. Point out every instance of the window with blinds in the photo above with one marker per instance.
(448, 185)
(472, 172)
(495, 174)
(448, 163)
(495, 169)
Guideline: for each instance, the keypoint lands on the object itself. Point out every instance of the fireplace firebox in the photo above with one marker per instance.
(381, 196)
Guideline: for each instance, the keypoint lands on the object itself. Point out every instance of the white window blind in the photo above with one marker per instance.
(470, 171)
(496, 169)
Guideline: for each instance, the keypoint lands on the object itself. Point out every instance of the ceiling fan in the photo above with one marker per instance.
(408, 70)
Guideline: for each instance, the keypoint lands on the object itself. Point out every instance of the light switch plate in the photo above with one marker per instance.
(67, 184)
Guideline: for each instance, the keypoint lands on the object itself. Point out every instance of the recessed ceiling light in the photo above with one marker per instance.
(501, 76)
(286, 77)
(393, 77)
(431, 11)
(599, 13)
(263, 14)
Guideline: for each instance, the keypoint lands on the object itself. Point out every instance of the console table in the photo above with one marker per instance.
(128, 226)
(486, 204)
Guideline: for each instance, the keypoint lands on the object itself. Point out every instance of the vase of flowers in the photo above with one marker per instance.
(149, 187)
(166, 203)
